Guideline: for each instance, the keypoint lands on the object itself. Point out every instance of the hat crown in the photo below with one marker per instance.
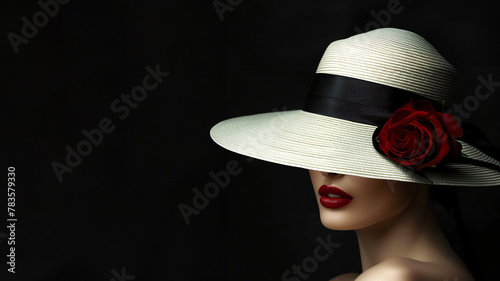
(395, 58)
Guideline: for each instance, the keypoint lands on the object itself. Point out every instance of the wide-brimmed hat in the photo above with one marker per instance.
(376, 109)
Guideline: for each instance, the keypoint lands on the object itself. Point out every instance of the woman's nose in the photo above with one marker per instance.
(327, 174)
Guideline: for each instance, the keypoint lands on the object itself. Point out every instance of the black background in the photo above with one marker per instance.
(119, 207)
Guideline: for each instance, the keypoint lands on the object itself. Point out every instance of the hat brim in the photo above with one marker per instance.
(312, 141)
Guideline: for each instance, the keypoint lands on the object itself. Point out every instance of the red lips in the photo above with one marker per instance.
(333, 202)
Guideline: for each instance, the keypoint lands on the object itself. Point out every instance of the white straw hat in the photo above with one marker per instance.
(360, 82)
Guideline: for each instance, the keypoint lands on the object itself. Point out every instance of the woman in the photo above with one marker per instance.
(375, 137)
(398, 236)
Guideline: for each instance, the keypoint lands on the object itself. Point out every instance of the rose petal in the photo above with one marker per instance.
(451, 124)
(399, 115)
(418, 136)
(408, 105)
(424, 105)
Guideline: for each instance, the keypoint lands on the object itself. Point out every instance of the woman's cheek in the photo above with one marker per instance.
(379, 200)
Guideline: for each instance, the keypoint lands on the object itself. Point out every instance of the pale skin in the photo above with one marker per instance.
(398, 236)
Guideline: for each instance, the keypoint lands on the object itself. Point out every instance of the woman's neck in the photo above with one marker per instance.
(413, 233)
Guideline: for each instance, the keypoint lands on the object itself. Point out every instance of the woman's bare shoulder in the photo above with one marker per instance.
(405, 269)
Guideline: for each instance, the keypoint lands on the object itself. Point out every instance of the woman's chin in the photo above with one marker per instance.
(339, 221)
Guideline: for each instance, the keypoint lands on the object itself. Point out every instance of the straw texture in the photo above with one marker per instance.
(392, 57)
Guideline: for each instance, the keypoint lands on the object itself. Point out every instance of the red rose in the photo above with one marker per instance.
(417, 136)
